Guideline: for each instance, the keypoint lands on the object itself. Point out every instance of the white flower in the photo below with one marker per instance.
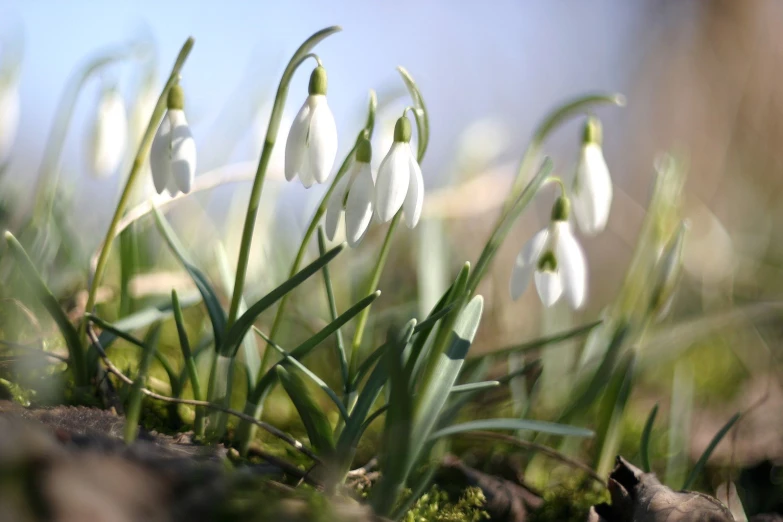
(108, 135)
(399, 182)
(353, 195)
(173, 152)
(9, 116)
(556, 261)
(312, 142)
(592, 187)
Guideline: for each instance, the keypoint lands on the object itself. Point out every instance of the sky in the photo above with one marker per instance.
(509, 61)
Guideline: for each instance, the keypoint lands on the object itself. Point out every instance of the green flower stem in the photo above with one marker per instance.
(190, 365)
(333, 314)
(372, 285)
(553, 120)
(266, 153)
(48, 173)
(136, 170)
(133, 412)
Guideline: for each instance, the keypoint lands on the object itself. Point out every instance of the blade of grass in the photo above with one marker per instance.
(708, 451)
(315, 422)
(133, 411)
(512, 424)
(190, 365)
(340, 346)
(76, 355)
(644, 446)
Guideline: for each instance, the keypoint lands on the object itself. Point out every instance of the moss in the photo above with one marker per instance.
(435, 506)
(570, 501)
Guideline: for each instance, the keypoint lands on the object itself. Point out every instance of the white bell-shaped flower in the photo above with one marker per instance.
(173, 152)
(108, 135)
(353, 197)
(592, 187)
(312, 142)
(9, 115)
(400, 183)
(555, 260)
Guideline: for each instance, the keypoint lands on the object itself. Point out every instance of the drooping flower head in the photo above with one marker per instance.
(400, 183)
(9, 113)
(555, 260)
(108, 135)
(312, 142)
(353, 196)
(173, 152)
(592, 187)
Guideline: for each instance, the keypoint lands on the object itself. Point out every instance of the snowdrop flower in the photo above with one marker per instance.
(592, 187)
(173, 152)
(353, 195)
(555, 260)
(108, 135)
(312, 142)
(399, 183)
(9, 114)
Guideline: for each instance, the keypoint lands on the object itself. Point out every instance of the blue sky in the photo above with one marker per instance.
(509, 60)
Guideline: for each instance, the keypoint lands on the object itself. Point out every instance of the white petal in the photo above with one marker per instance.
(109, 134)
(549, 286)
(526, 263)
(571, 264)
(334, 209)
(322, 142)
(358, 209)
(295, 144)
(393, 180)
(183, 152)
(9, 118)
(160, 155)
(414, 199)
(306, 172)
(592, 191)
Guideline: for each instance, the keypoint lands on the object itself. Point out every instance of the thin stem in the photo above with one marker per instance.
(136, 170)
(340, 346)
(266, 154)
(111, 368)
(372, 285)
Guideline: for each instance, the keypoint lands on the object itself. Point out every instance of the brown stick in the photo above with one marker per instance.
(190, 402)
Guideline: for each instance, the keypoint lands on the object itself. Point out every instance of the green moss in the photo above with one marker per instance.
(570, 501)
(435, 506)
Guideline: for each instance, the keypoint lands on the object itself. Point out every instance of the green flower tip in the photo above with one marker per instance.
(9, 236)
(547, 262)
(363, 150)
(561, 209)
(176, 98)
(592, 132)
(402, 130)
(318, 81)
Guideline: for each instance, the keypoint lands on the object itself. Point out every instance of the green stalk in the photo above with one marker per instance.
(340, 346)
(136, 170)
(190, 365)
(258, 183)
(133, 412)
(372, 285)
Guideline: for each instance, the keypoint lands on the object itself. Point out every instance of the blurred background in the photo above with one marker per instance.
(701, 80)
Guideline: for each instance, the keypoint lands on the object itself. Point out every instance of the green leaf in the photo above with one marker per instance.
(513, 425)
(708, 451)
(644, 446)
(474, 386)
(245, 321)
(133, 411)
(216, 314)
(396, 434)
(190, 365)
(542, 342)
(610, 414)
(76, 356)
(319, 431)
(287, 359)
(354, 428)
(266, 382)
(437, 385)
